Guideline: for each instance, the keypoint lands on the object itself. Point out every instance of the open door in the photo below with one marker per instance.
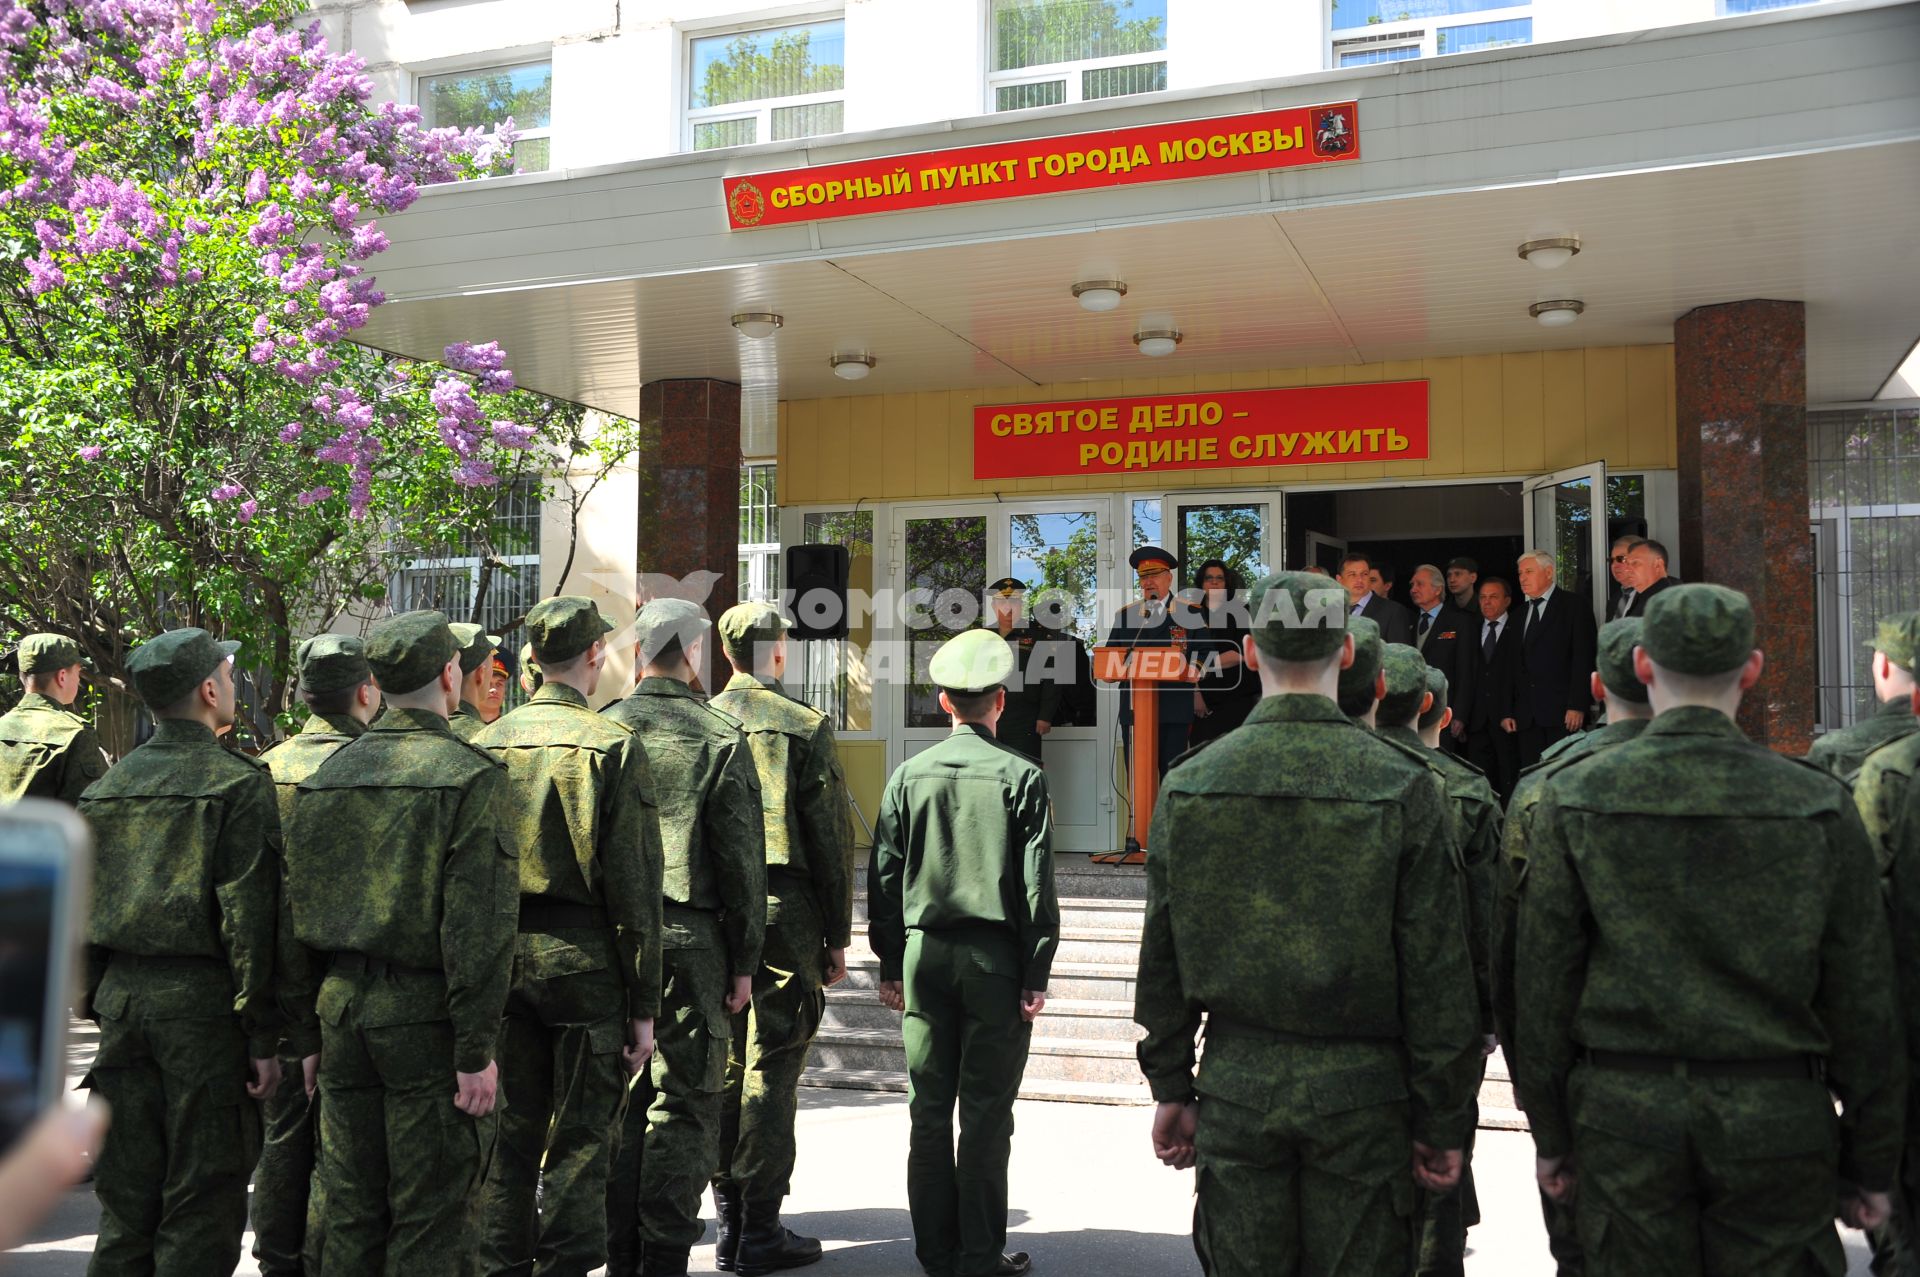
(1566, 516)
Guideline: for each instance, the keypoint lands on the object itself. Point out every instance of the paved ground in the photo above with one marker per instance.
(1087, 1198)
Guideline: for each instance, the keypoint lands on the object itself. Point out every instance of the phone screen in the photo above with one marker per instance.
(30, 888)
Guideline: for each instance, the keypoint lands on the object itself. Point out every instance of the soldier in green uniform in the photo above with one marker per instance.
(337, 687)
(965, 922)
(1476, 819)
(1359, 686)
(1034, 695)
(476, 671)
(1904, 884)
(1704, 966)
(404, 887)
(715, 921)
(47, 750)
(809, 840)
(586, 968)
(1616, 686)
(1896, 644)
(186, 893)
(1303, 897)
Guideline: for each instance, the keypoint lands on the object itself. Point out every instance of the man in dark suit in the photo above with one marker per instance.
(1647, 575)
(1492, 741)
(1445, 636)
(1620, 593)
(1557, 642)
(1395, 622)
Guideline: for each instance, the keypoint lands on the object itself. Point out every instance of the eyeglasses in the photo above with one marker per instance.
(1619, 558)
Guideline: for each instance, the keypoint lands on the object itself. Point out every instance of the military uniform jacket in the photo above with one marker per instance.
(1843, 752)
(965, 839)
(47, 751)
(1305, 881)
(1733, 916)
(395, 851)
(187, 865)
(466, 721)
(709, 800)
(1043, 661)
(1151, 625)
(803, 798)
(584, 825)
(1880, 793)
(1905, 887)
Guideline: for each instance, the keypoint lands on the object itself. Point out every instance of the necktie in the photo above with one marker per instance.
(1493, 637)
(1426, 623)
(1533, 616)
(1626, 602)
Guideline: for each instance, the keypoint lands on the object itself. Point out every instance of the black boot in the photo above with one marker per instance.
(726, 1208)
(767, 1246)
(665, 1261)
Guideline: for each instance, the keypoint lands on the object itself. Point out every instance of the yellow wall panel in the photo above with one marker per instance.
(931, 477)
(1523, 412)
(865, 765)
(1564, 432)
(803, 454)
(1649, 386)
(1484, 451)
(866, 456)
(835, 450)
(900, 446)
(1446, 430)
(1606, 404)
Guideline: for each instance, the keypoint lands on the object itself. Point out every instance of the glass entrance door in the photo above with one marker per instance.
(1566, 516)
(1242, 529)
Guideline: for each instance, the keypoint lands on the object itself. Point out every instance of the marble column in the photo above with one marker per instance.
(1740, 373)
(689, 499)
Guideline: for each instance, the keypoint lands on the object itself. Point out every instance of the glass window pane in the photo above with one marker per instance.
(716, 133)
(1572, 546)
(1120, 82)
(481, 99)
(1019, 97)
(1235, 533)
(1392, 53)
(1349, 14)
(816, 119)
(1058, 556)
(1477, 36)
(1626, 496)
(947, 566)
(774, 62)
(1146, 523)
(1029, 33)
(835, 678)
(533, 155)
(1730, 7)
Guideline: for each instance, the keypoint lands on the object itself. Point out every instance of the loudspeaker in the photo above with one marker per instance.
(817, 584)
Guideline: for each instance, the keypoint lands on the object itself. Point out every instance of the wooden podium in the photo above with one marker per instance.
(1146, 668)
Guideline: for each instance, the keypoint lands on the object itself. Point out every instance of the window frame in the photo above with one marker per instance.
(1073, 73)
(760, 110)
(761, 559)
(1421, 32)
(469, 67)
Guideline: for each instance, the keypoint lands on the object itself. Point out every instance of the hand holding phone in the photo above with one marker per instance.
(45, 853)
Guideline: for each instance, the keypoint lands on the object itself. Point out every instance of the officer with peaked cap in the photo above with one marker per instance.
(1042, 663)
(47, 750)
(1702, 968)
(186, 891)
(476, 671)
(965, 922)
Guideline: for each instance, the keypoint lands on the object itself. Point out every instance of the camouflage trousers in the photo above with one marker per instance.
(1699, 1175)
(1304, 1159)
(966, 1050)
(669, 1145)
(283, 1182)
(172, 1176)
(769, 1052)
(563, 1081)
(398, 1164)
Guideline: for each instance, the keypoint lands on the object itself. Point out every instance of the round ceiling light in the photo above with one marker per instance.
(852, 367)
(1099, 294)
(1158, 341)
(757, 324)
(1556, 314)
(1549, 254)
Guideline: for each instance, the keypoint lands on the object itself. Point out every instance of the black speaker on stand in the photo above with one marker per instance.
(817, 579)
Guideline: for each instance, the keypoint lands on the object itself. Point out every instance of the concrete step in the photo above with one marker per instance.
(1064, 1018)
(1031, 1087)
(1048, 1058)
(1076, 912)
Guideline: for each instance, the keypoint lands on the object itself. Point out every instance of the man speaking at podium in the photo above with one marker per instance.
(1151, 623)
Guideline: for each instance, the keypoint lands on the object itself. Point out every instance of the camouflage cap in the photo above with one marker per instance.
(1437, 684)
(667, 627)
(1357, 680)
(976, 661)
(1614, 656)
(475, 644)
(1406, 672)
(1897, 635)
(745, 626)
(562, 628)
(408, 651)
(1698, 629)
(332, 663)
(168, 666)
(48, 654)
(1298, 616)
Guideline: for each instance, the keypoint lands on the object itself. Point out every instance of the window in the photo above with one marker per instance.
(834, 674)
(759, 534)
(1372, 31)
(481, 99)
(1731, 8)
(1046, 52)
(1350, 15)
(766, 85)
(1476, 36)
(1391, 53)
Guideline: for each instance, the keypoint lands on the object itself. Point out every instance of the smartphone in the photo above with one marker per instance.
(45, 860)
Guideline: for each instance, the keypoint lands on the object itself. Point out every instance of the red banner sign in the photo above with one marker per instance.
(1310, 425)
(1048, 166)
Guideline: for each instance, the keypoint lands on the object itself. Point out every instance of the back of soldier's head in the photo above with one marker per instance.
(1359, 682)
(1614, 659)
(1299, 622)
(1406, 672)
(1437, 710)
(1699, 638)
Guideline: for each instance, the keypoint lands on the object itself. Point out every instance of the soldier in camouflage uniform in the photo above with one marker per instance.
(1616, 686)
(47, 750)
(715, 921)
(1703, 967)
(586, 969)
(809, 841)
(1896, 644)
(1304, 896)
(1904, 885)
(476, 671)
(337, 686)
(186, 893)
(1476, 828)
(404, 889)
(1360, 686)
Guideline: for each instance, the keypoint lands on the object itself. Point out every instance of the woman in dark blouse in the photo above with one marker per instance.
(1229, 690)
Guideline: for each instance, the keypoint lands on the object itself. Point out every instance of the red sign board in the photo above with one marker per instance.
(1309, 425)
(1048, 166)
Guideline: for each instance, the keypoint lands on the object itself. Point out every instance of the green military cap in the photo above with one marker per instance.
(1298, 616)
(1698, 629)
(168, 666)
(744, 626)
(47, 654)
(1437, 684)
(408, 651)
(475, 644)
(562, 628)
(1615, 658)
(977, 661)
(1897, 635)
(668, 626)
(1368, 651)
(332, 663)
(1008, 586)
(1406, 672)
